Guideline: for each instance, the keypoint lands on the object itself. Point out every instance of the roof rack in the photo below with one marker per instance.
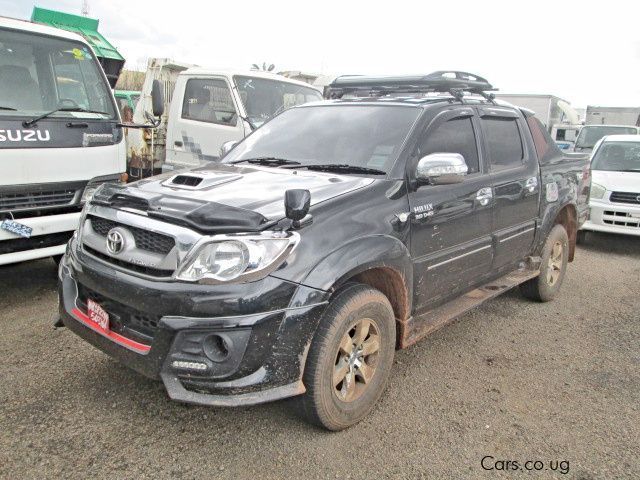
(456, 83)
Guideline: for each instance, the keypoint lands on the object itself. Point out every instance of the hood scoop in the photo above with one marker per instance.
(199, 180)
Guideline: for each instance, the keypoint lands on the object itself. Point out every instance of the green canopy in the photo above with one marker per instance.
(111, 61)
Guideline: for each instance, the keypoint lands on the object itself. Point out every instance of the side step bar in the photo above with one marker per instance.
(416, 328)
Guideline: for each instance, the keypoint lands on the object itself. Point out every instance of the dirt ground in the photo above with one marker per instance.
(511, 381)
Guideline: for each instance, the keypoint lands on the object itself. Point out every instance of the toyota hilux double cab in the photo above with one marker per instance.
(336, 233)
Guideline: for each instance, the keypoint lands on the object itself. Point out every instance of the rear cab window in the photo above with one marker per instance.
(503, 140)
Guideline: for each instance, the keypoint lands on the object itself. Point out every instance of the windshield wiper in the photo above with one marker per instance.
(28, 123)
(9, 108)
(343, 168)
(268, 161)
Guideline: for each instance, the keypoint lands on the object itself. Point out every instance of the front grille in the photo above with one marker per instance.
(126, 321)
(153, 272)
(625, 197)
(40, 212)
(145, 240)
(620, 219)
(40, 241)
(50, 198)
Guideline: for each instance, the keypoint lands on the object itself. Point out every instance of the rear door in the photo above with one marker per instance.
(206, 117)
(451, 224)
(515, 181)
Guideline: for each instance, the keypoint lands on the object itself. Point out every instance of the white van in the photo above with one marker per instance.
(212, 107)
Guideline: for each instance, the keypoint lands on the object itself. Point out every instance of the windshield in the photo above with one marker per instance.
(39, 74)
(590, 135)
(617, 157)
(263, 98)
(356, 135)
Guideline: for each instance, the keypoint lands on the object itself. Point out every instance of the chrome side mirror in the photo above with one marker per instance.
(227, 147)
(441, 169)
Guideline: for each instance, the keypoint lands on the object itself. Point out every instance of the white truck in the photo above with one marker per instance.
(212, 107)
(597, 115)
(60, 137)
(560, 118)
(205, 108)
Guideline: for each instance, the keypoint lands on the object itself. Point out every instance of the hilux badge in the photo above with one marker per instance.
(115, 242)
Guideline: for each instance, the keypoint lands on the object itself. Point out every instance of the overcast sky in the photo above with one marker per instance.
(587, 52)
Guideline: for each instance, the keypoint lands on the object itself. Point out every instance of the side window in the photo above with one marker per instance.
(209, 100)
(455, 136)
(503, 142)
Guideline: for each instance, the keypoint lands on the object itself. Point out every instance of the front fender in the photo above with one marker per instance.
(359, 255)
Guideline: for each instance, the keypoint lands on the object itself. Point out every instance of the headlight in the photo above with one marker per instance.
(237, 257)
(597, 191)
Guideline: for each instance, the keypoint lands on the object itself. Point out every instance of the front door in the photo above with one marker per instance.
(514, 178)
(451, 242)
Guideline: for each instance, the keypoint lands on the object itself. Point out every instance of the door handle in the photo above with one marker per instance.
(531, 184)
(484, 196)
(177, 143)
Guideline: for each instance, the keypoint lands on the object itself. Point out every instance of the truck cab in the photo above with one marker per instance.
(59, 137)
(212, 107)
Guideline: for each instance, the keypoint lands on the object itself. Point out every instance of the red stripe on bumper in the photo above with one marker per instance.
(119, 339)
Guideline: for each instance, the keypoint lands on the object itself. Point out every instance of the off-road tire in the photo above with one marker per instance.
(541, 288)
(351, 306)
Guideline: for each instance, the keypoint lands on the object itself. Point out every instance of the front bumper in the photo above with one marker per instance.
(49, 237)
(266, 350)
(613, 218)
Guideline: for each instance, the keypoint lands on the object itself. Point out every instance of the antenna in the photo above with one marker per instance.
(85, 8)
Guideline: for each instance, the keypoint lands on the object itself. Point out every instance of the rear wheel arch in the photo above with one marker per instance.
(567, 216)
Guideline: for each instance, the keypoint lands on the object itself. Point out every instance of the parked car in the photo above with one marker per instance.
(614, 203)
(334, 234)
(591, 134)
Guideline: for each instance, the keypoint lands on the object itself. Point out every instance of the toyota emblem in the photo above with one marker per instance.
(638, 198)
(115, 242)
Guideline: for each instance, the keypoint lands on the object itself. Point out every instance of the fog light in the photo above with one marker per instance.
(184, 365)
(217, 347)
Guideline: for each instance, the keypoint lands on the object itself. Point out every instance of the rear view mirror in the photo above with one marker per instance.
(296, 204)
(157, 98)
(441, 169)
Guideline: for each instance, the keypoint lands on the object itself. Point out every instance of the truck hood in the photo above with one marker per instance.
(617, 181)
(221, 198)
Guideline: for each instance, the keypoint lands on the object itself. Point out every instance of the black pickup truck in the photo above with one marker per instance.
(336, 233)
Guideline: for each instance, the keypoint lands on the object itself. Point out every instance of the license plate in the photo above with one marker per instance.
(98, 314)
(17, 228)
